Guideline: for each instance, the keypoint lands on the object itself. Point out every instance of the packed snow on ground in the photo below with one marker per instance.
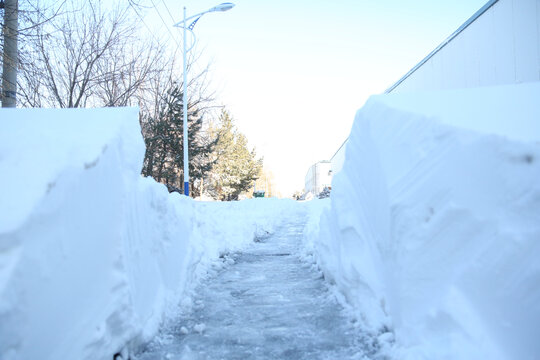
(92, 255)
(433, 227)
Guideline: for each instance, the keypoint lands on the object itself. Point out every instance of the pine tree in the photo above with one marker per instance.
(164, 158)
(236, 168)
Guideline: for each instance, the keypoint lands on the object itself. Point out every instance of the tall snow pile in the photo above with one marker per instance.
(433, 228)
(92, 255)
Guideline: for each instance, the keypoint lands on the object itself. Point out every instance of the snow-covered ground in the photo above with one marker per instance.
(93, 256)
(264, 302)
(433, 227)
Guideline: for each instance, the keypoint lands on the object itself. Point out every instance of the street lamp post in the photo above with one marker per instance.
(221, 7)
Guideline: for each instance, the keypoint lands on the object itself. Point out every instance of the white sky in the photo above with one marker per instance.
(293, 73)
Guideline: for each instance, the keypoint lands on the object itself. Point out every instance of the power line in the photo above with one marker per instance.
(150, 30)
(164, 23)
(166, 7)
(142, 20)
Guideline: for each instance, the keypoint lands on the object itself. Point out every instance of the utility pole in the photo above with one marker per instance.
(10, 55)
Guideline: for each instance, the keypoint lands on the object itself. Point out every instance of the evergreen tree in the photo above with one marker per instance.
(236, 167)
(164, 158)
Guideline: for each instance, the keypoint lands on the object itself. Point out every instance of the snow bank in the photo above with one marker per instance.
(92, 255)
(434, 224)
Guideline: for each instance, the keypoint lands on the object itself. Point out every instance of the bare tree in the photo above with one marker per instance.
(86, 56)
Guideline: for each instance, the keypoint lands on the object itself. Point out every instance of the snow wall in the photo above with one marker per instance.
(92, 255)
(433, 227)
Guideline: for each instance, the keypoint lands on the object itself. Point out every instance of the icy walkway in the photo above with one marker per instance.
(268, 304)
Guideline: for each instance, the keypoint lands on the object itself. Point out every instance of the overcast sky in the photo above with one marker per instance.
(292, 73)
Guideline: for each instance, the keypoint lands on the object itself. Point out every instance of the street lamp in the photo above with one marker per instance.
(221, 7)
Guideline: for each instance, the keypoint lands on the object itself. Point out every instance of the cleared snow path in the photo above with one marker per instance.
(268, 304)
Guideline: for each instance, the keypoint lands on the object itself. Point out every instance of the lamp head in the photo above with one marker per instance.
(222, 7)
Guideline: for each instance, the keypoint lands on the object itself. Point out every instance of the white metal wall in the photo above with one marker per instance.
(318, 177)
(502, 46)
(310, 179)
